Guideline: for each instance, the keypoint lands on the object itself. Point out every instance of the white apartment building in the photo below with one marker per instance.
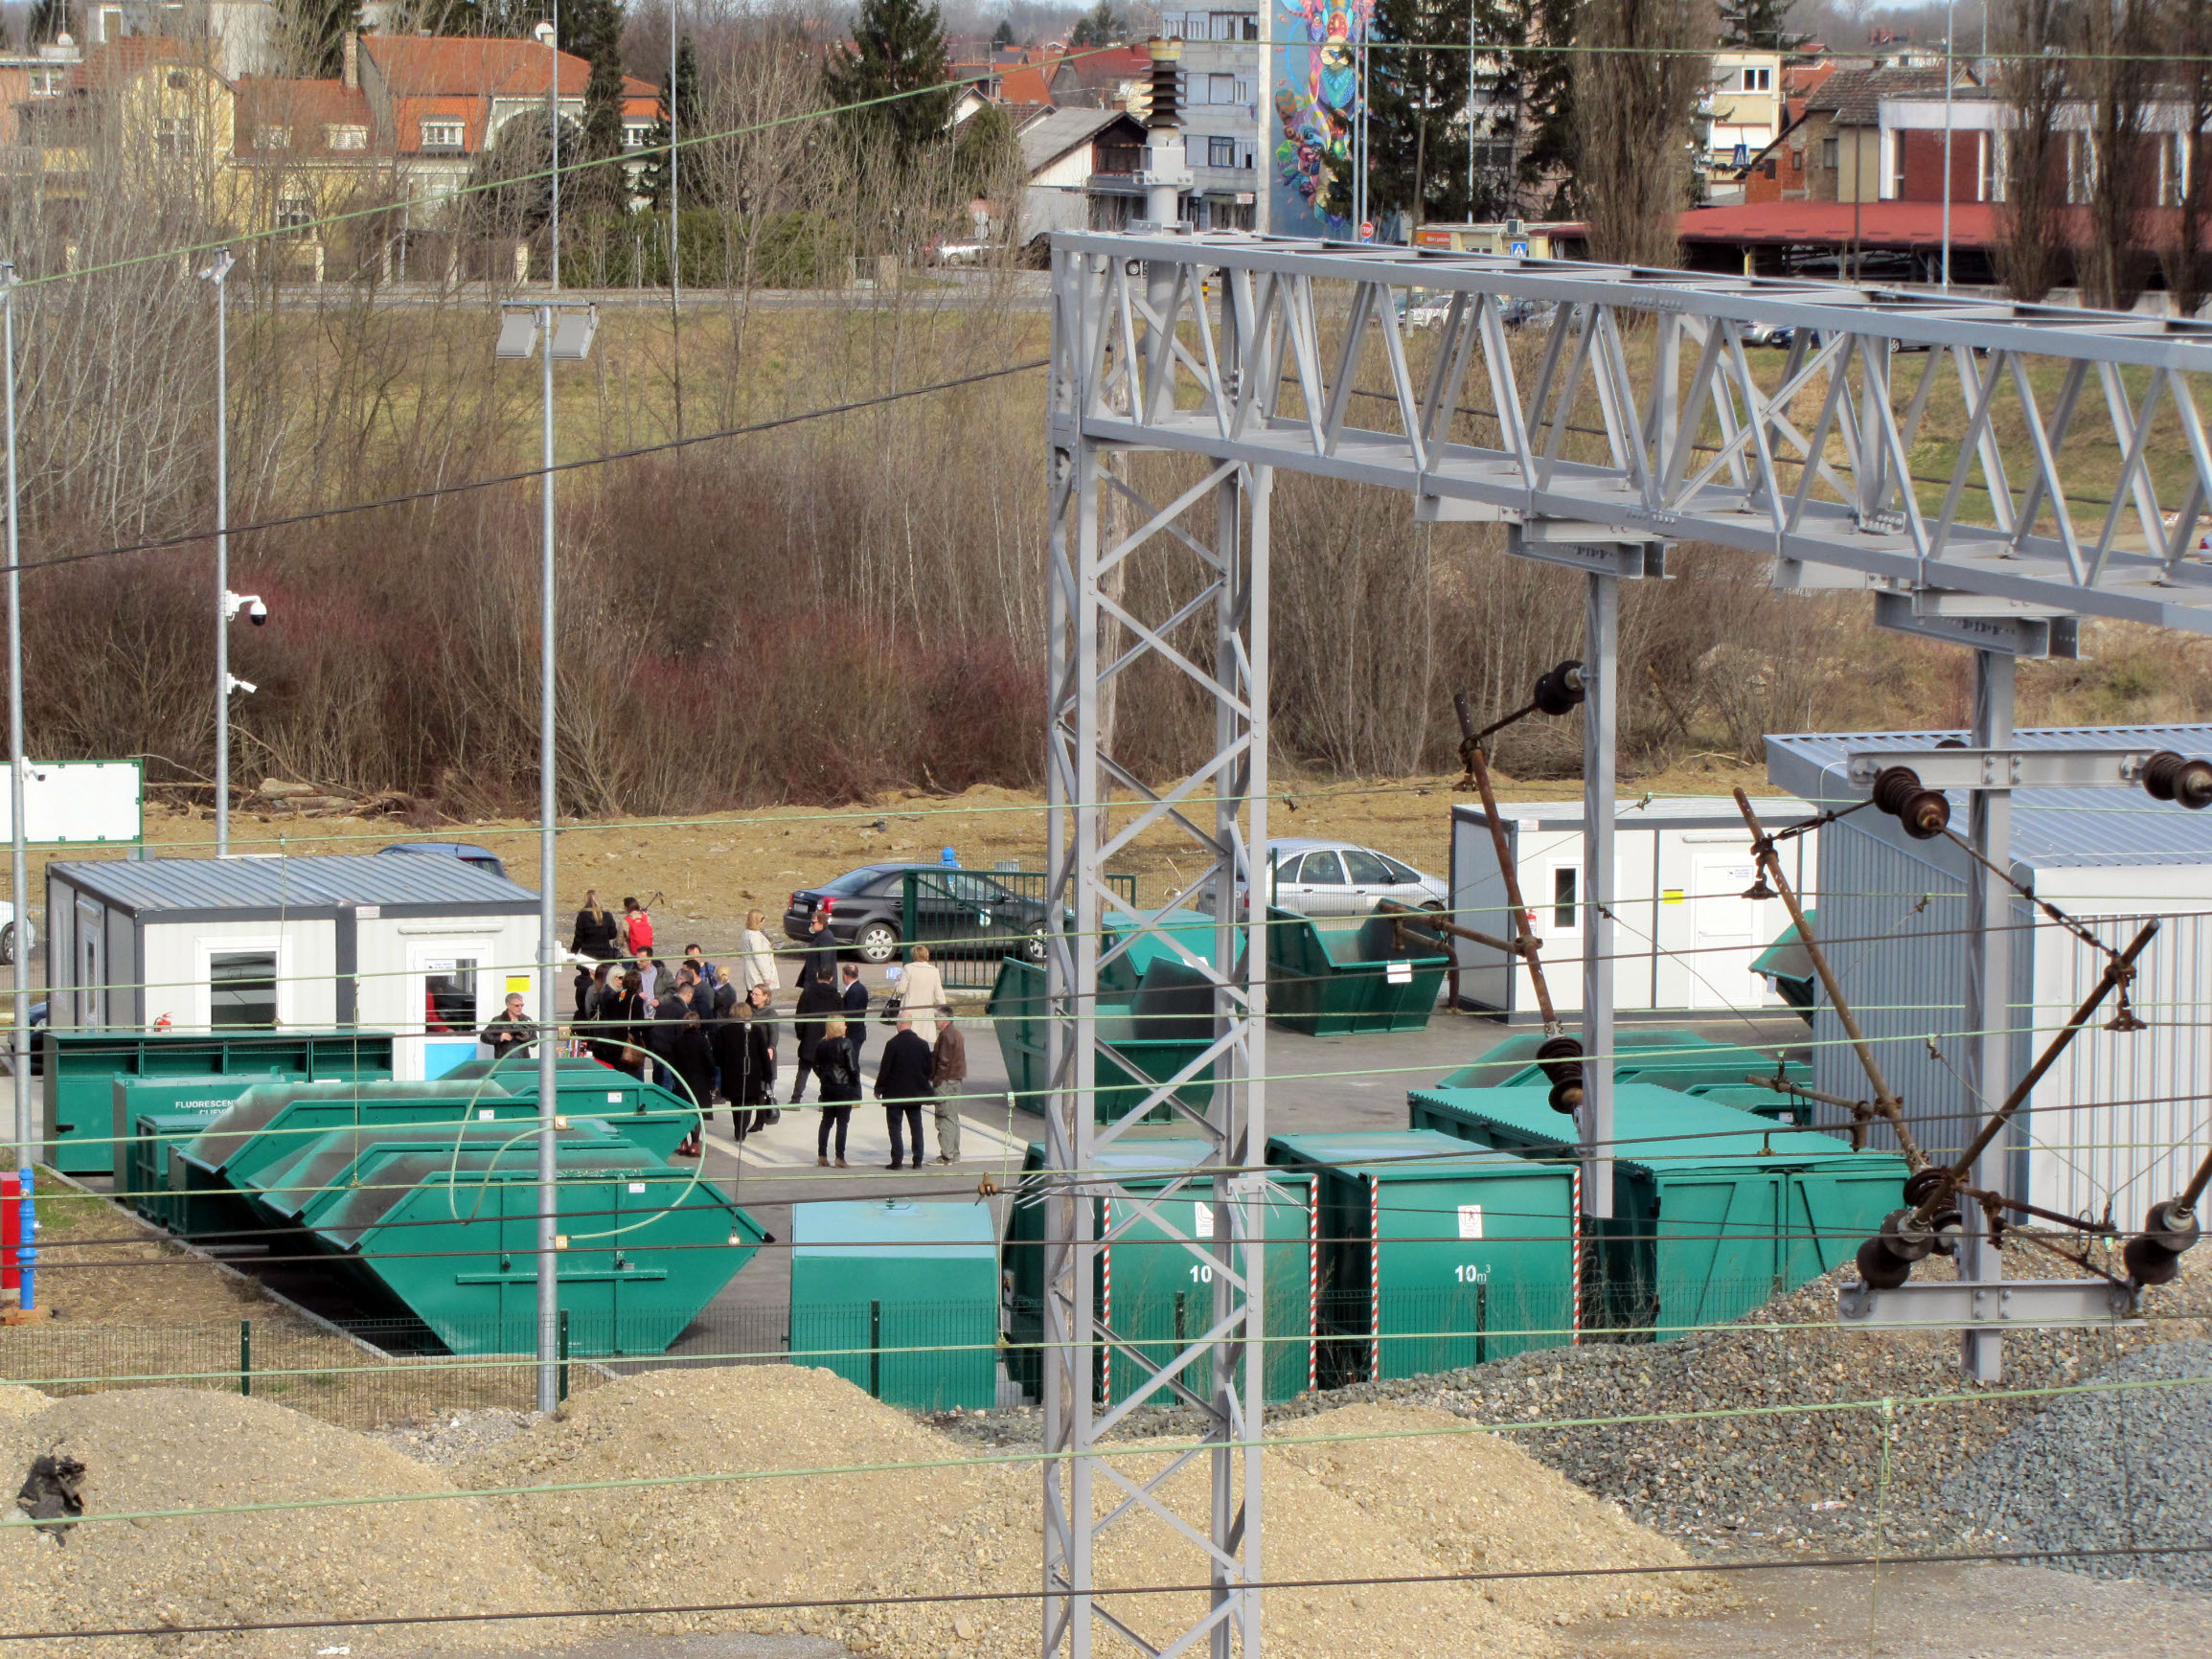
(1222, 85)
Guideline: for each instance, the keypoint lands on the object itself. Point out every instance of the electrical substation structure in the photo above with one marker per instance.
(1249, 354)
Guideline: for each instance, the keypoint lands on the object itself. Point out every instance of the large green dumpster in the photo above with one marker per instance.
(1330, 976)
(451, 1238)
(137, 1167)
(81, 1068)
(1787, 966)
(270, 1125)
(1191, 929)
(899, 1298)
(1717, 1210)
(1433, 1256)
(1152, 1033)
(1152, 1290)
(1675, 1057)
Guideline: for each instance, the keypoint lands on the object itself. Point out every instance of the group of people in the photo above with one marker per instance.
(708, 1031)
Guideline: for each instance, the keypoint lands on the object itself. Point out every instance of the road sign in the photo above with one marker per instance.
(1366, 230)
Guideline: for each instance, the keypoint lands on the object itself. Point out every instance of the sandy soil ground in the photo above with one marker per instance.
(708, 872)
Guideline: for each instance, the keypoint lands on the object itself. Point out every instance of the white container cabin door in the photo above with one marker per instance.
(1725, 935)
(446, 981)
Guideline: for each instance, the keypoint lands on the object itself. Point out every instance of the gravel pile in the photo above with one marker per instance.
(454, 1437)
(2108, 1471)
(1363, 1506)
(171, 1448)
(1787, 1472)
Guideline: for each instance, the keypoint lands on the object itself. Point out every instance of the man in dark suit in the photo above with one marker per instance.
(856, 1010)
(902, 1084)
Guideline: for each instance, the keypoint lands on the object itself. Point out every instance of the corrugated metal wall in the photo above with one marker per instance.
(2119, 1120)
(1891, 923)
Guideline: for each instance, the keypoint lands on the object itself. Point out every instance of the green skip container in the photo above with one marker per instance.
(1434, 1254)
(1718, 1211)
(189, 1100)
(81, 1068)
(1331, 977)
(899, 1297)
(450, 1237)
(1152, 1290)
(1154, 1031)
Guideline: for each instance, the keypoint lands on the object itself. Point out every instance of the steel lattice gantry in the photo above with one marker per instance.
(1601, 414)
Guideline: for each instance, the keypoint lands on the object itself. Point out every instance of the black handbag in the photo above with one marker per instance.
(891, 1007)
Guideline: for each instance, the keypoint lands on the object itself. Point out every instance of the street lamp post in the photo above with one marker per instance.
(549, 32)
(1950, 11)
(219, 273)
(18, 858)
(566, 331)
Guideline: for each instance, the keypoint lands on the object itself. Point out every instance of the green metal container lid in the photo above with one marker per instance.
(1659, 1128)
(883, 1227)
(1395, 1154)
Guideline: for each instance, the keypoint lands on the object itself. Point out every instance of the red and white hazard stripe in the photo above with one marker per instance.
(1312, 1283)
(1575, 1271)
(1374, 1280)
(1106, 1299)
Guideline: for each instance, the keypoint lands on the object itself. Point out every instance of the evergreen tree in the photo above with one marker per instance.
(1417, 110)
(1003, 35)
(688, 161)
(1097, 27)
(48, 19)
(898, 47)
(320, 28)
(1758, 26)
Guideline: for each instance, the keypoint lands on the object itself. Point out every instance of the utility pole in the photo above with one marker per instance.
(219, 273)
(1950, 76)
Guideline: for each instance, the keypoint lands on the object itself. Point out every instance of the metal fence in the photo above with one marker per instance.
(970, 918)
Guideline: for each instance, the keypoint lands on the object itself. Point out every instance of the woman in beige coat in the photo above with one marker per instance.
(921, 990)
(758, 954)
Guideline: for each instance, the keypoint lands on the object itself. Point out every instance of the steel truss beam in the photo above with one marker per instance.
(1598, 446)
(1808, 458)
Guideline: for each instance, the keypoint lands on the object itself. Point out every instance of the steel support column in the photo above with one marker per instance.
(1988, 998)
(1600, 733)
(1205, 547)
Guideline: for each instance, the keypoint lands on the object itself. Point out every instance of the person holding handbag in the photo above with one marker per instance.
(758, 953)
(922, 991)
(838, 1068)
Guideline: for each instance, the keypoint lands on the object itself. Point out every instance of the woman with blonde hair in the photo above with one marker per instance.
(839, 1069)
(758, 954)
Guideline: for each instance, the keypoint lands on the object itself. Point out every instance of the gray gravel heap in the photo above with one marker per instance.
(2107, 1470)
(1785, 1471)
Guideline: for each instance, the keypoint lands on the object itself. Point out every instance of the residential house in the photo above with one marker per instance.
(1834, 150)
(307, 162)
(1746, 105)
(441, 103)
(1081, 167)
(147, 108)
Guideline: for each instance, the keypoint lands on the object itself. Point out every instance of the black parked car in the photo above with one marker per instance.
(957, 913)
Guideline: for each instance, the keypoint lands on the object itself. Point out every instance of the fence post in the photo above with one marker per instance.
(560, 1391)
(875, 1351)
(1481, 1320)
(245, 1357)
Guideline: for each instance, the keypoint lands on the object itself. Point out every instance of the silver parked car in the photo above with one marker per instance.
(1337, 879)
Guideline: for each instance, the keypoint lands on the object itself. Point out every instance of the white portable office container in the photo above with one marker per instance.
(424, 947)
(2120, 1120)
(1685, 936)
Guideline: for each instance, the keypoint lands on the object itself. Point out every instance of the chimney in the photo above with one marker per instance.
(349, 58)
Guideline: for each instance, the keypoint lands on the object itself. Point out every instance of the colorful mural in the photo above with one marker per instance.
(1315, 82)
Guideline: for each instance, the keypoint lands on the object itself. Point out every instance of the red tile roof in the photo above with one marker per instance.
(117, 62)
(426, 65)
(305, 107)
(1027, 85)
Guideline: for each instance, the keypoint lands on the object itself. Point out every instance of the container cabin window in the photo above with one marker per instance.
(1564, 896)
(241, 990)
(449, 995)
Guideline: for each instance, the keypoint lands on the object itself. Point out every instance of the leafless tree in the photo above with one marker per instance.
(1643, 66)
(2188, 270)
(2034, 83)
(2118, 42)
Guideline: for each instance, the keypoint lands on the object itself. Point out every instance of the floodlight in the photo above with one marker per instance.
(517, 334)
(572, 333)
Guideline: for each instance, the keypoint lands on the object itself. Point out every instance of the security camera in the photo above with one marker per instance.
(256, 611)
(245, 686)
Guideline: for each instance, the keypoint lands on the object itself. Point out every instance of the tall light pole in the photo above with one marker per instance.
(549, 32)
(18, 858)
(566, 331)
(1949, 11)
(219, 273)
(676, 243)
